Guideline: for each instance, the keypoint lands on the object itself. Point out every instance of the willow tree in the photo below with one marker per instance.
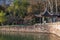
(19, 8)
(2, 17)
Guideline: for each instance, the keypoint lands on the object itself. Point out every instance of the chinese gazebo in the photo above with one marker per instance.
(46, 17)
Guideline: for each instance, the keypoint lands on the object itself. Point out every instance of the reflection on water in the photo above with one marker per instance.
(29, 36)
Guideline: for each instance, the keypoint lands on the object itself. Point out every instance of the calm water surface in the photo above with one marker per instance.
(29, 36)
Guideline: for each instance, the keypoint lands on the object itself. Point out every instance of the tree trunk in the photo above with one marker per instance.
(1, 24)
(56, 6)
(51, 6)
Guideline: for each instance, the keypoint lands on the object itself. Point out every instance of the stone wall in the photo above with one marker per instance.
(48, 28)
(55, 28)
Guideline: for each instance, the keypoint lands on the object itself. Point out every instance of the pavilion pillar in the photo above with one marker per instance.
(54, 19)
(50, 20)
(43, 19)
(40, 20)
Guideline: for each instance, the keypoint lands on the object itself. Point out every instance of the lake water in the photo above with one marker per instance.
(29, 36)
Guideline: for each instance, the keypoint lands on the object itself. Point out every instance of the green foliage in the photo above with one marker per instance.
(20, 6)
(2, 17)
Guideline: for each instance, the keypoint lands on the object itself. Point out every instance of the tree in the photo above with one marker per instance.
(2, 17)
(19, 8)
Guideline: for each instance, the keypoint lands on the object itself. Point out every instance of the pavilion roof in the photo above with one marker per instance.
(47, 14)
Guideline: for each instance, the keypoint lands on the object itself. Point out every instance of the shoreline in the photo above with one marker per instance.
(48, 28)
(23, 33)
(9, 30)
